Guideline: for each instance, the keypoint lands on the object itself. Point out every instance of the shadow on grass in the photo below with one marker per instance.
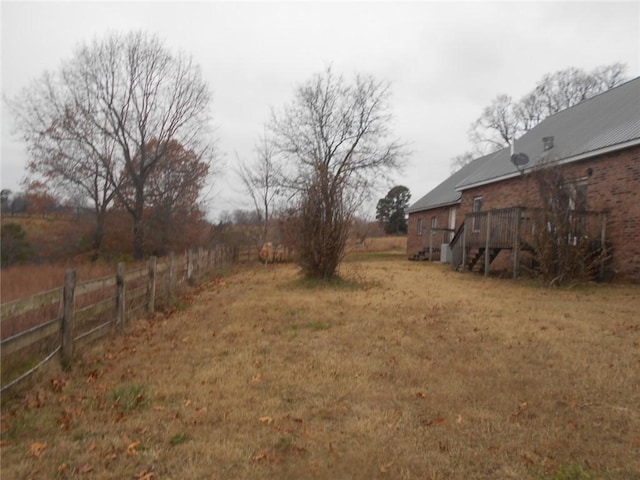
(335, 283)
(375, 256)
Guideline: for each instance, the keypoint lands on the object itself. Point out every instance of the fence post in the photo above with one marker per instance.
(172, 275)
(486, 250)
(153, 265)
(120, 301)
(516, 245)
(189, 266)
(68, 318)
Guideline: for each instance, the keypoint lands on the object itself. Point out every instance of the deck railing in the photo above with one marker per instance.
(515, 228)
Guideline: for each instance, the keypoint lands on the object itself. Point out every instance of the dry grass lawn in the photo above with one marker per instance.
(403, 371)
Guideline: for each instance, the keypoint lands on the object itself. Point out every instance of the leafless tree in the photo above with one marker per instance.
(337, 137)
(71, 156)
(262, 181)
(496, 127)
(505, 119)
(95, 117)
(565, 239)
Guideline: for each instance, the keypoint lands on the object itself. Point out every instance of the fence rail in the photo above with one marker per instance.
(91, 309)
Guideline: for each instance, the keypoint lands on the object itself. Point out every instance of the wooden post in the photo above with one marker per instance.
(172, 275)
(121, 312)
(516, 245)
(603, 226)
(68, 319)
(189, 266)
(464, 245)
(486, 249)
(153, 262)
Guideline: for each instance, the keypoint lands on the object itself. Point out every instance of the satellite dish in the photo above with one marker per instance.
(519, 159)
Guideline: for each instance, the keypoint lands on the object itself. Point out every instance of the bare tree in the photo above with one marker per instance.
(504, 119)
(262, 180)
(337, 137)
(565, 240)
(104, 106)
(496, 127)
(460, 161)
(69, 155)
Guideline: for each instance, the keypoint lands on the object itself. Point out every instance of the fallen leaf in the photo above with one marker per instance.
(36, 449)
(92, 446)
(147, 474)
(86, 469)
(459, 419)
(259, 456)
(267, 420)
(132, 448)
(385, 468)
(58, 384)
(256, 378)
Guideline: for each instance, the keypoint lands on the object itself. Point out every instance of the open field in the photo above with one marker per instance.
(403, 370)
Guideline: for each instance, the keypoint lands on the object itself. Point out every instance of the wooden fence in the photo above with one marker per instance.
(80, 312)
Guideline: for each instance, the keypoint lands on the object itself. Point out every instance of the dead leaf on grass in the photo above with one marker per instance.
(266, 420)
(147, 474)
(36, 449)
(385, 468)
(256, 378)
(132, 448)
(57, 384)
(86, 468)
(259, 456)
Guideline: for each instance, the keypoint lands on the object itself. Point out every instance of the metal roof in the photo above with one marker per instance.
(445, 193)
(606, 122)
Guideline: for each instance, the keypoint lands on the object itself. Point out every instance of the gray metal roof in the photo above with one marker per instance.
(606, 121)
(445, 193)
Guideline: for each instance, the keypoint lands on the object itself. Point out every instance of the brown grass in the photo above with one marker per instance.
(400, 370)
(380, 244)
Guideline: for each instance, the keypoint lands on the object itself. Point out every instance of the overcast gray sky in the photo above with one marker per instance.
(445, 61)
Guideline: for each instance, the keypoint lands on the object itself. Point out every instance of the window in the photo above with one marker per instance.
(420, 226)
(434, 222)
(578, 196)
(477, 208)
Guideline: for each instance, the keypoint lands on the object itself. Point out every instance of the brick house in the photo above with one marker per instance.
(596, 147)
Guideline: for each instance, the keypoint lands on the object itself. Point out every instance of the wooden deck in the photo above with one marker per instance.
(483, 235)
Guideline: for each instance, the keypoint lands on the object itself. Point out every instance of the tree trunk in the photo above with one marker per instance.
(138, 227)
(98, 235)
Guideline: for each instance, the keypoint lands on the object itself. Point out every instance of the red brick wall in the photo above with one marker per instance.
(415, 242)
(612, 187)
